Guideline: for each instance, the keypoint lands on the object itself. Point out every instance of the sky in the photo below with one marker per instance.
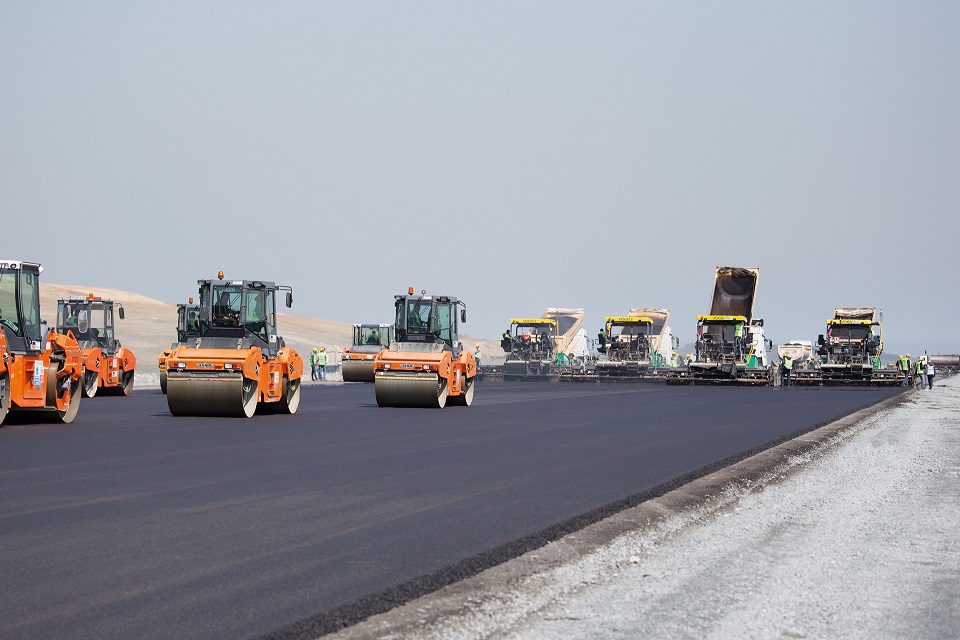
(516, 155)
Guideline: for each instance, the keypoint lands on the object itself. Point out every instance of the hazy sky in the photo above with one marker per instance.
(517, 155)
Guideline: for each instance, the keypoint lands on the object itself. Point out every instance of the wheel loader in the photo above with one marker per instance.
(236, 364)
(425, 365)
(40, 370)
(731, 345)
(356, 364)
(188, 327)
(107, 365)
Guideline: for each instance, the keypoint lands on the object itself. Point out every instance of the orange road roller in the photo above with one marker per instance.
(237, 364)
(40, 370)
(425, 366)
(107, 365)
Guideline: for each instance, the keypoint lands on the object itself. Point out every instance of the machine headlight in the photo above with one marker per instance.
(386, 366)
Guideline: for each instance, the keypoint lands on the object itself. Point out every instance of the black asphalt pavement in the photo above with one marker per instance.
(130, 523)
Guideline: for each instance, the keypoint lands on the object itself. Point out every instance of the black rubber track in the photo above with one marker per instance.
(132, 523)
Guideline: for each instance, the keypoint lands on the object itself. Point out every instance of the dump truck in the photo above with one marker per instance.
(107, 365)
(804, 366)
(849, 352)
(237, 364)
(41, 370)
(731, 344)
(188, 328)
(425, 365)
(356, 364)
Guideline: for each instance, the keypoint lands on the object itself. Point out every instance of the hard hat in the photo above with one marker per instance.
(323, 348)
(908, 355)
(314, 349)
(478, 344)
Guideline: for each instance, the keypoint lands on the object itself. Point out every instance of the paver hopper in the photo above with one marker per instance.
(627, 342)
(850, 351)
(530, 345)
(731, 344)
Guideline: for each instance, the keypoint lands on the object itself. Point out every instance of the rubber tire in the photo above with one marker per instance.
(76, 391)
(465, 399)
(4, 396)
(290, 401)
(249, 397)
(91, 383)
(125, 388)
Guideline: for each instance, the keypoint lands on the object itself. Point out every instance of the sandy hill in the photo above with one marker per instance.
(149, 326)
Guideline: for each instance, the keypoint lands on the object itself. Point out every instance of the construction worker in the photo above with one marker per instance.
(738, 340)
(674, 360)
(787, 367)
(314, 365)
(476, 355)
(920, 372)
(322, 364)
(903, 364)
(931, 371)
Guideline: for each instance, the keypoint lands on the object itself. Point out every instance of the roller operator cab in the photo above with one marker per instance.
(188, 327)
(425, 366)
(236, 362)
(107, 365)
(368, 340)
(40, 370)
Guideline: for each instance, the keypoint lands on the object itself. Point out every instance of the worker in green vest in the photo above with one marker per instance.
(738, 340)
(903, 364)
(322, 363)
(787, 366)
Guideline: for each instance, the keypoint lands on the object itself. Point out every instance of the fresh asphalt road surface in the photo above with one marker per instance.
(132, 523)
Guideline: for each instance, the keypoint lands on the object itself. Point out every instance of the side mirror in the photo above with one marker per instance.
(463, 315)
(121, 313)
(820, 339)
(289, 298)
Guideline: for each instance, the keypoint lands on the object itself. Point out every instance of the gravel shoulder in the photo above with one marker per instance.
(849, 531)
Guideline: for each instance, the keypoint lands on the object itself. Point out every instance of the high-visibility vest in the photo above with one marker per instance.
(788, 363)
(322, 358)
